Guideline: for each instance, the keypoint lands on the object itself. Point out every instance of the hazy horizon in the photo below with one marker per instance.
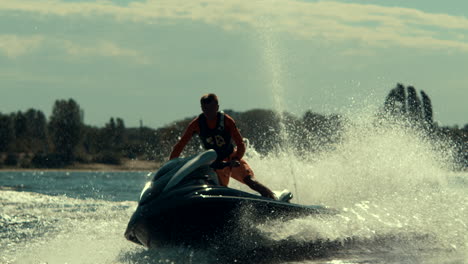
(152, 60)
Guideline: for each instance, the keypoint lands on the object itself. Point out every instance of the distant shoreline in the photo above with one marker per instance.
(127, 165)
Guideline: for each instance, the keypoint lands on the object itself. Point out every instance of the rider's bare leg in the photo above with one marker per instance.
(256, 186)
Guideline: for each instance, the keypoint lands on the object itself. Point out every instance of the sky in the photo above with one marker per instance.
(151, 61)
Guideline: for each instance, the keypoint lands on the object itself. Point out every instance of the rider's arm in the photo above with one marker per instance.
(192, 128)
(236, 136)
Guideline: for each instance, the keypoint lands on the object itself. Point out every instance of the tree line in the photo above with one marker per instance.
(30, 140)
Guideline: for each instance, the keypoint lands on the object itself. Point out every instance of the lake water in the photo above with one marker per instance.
(397, 199)
(80, 217)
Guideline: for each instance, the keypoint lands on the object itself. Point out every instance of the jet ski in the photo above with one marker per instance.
(183, 203)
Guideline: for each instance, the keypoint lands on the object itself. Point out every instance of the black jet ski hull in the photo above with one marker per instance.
(183, 203)
(206, 215)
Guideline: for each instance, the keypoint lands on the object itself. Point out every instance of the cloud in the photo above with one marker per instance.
(372, 25)
(13, 46)
(103, 49)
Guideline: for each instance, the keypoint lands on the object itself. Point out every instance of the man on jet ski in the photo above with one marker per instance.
(217, 131)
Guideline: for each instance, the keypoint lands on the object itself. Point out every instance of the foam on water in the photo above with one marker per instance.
(39, 228)
(57, 229)
(391, 185)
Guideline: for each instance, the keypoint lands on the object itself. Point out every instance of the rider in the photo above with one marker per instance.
(217, 131)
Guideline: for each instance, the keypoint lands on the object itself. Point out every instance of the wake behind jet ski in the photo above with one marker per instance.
(184, 204)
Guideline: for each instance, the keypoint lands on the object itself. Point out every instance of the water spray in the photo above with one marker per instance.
(275, 72)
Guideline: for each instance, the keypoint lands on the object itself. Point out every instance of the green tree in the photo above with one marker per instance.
(427, 109)
(395, 103)
(108, 135)
(21, 132)
(65, 127)
(414, 105)
(91, 139)
(120, 125)
(7, 132)
(120, 134)
(36, 130)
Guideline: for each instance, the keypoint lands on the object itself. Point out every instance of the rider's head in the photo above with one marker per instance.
(209, 105)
